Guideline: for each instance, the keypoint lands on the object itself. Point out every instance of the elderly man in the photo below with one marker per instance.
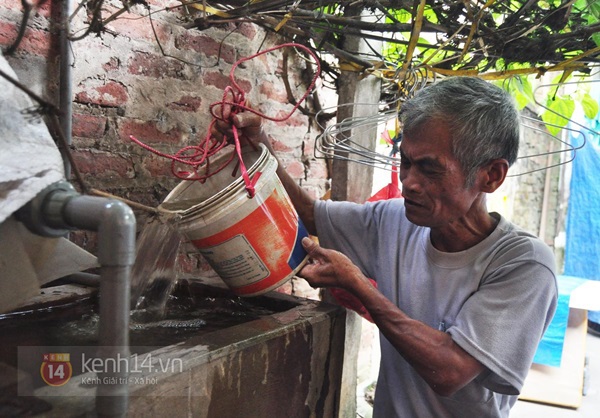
(463, 296)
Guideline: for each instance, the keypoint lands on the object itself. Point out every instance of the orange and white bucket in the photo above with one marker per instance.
(253, 244)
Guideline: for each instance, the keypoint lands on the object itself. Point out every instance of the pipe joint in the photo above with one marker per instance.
(43, 215)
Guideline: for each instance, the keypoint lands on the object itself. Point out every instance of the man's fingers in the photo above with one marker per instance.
(246, 120)
(311, 247)
(225, 111)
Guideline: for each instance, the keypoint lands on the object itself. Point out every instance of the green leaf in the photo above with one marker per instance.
(594, 7)
(526, 89)
(520, 88)
(559, 113)
(590, 106)
(430, 15)
(520, 99)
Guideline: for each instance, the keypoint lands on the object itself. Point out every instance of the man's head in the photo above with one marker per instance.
(483, 122)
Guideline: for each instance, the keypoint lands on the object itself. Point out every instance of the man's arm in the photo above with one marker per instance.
(442, 363)
(250, 127)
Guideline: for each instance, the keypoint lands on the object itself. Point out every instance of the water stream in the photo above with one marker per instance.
(163, 304)
(155, 272)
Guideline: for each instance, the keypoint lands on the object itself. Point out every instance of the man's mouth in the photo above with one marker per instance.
(410, 202)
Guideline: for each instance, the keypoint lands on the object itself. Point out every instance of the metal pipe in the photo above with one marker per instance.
(66, 81)
(59, 208)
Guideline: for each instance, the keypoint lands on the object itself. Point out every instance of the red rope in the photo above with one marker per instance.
(197, 156)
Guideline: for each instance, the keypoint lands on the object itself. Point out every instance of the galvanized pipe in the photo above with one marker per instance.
(66, 81)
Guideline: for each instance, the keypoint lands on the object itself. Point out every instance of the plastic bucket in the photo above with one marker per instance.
(253, 244)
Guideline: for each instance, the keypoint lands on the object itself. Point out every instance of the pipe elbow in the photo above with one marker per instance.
(117, 229)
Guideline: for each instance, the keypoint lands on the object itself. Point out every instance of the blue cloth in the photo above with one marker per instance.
(549, 352)
(582, 250)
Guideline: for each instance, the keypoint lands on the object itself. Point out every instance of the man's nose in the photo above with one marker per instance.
(409, 181)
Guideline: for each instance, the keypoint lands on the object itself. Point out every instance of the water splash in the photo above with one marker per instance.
(155, 271)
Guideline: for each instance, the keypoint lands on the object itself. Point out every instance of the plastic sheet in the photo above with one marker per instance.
(583, 217)
(549, 352)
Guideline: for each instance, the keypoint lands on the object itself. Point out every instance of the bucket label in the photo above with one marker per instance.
(236, 261)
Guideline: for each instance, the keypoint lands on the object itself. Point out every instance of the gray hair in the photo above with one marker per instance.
(484, 122)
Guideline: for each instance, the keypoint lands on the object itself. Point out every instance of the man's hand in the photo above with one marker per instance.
(329, 268)
(247, 123)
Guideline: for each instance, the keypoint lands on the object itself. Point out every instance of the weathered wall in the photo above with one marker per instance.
(530, 195)
(123, 84)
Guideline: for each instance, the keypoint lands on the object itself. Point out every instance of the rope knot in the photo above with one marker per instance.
(197, 157)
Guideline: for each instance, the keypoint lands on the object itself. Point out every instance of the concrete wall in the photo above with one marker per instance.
(124, 84)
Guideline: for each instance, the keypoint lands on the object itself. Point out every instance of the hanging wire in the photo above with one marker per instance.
(337, 140)
(567, 148)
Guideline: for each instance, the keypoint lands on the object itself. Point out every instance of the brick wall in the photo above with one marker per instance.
(123, 84)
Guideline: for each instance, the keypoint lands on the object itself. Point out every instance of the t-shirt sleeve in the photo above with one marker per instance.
(350, 228)
(502, 323)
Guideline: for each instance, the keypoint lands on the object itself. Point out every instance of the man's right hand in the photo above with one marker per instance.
(247, 123)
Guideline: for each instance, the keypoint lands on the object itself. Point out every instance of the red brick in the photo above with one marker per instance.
(156, 66)
(42, 8)
(279, 146)
(111, 94)
(295, 169)
(216, 78)
(221, 81)
(89, 126)
(186, 104)
(113, 64)
(8, 33)
(157, 166)
(147, 132)
(274, 92)
(247, 29)
(207, 46)
(102, 164)
(317, 169)
(35, 41)
(296, 119)
(136, 27)
(265, 61)
(45, 8)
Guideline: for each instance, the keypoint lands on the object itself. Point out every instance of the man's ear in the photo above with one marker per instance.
(493, 175)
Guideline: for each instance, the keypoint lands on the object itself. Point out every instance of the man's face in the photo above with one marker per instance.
(433, 182)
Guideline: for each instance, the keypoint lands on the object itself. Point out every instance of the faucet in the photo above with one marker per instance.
(60, 208)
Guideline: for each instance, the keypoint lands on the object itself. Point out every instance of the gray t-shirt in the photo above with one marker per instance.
(495, 299)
